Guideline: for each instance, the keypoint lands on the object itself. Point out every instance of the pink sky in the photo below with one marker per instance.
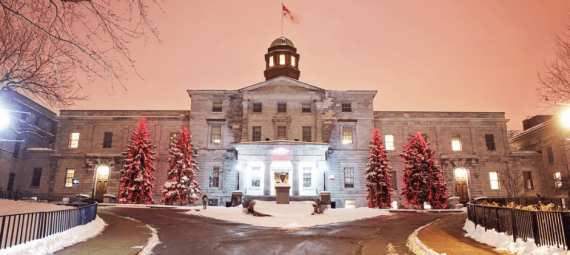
(419, 55)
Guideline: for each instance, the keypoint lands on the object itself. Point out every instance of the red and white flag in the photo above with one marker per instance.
(289, 15)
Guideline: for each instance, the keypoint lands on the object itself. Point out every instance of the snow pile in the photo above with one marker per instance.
(290, 218)
(416, 246)
(502, 241)
(14, 207)
(58, 241)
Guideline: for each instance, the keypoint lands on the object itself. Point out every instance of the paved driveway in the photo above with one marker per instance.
(188, 234)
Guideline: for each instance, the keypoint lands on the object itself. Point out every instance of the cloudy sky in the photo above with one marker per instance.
(419, 55)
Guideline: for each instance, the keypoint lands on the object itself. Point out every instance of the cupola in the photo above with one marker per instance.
(282, 60)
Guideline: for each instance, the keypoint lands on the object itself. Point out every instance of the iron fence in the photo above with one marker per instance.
(546, 228)
(24, 227)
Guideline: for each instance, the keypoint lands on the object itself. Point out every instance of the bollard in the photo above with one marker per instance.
(205, 201)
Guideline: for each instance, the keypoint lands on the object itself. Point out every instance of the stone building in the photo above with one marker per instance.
(318, 138)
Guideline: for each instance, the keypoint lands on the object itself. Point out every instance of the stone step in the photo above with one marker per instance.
(274, 198)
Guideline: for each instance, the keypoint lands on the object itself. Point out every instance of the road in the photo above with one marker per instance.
(188, 234)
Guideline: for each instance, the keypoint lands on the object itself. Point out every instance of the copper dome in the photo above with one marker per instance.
(282, 41)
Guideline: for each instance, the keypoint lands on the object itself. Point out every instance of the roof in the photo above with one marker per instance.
(282, 41)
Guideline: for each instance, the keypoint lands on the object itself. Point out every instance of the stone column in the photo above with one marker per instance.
(319, 122)
(267, 181)
(295, 177)
(244, 125)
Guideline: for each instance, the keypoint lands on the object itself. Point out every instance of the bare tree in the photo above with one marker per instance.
(48, 46)
(513, 181)
(555, 77)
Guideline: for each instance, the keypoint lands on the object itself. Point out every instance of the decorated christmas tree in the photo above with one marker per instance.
(181, 186)
(423, 179)
(136, 176)
(378, 185)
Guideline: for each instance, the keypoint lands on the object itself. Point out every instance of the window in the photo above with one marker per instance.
(389, 142)
(281, 133)
(107, 139)
(213, 201)
(346, 135)
(292, 60)
(11, 182)
(271, 61)
(494, 177)
(558, 180)
(306, 177)
(306, 108)
(550, 155)
(215, 177)
(307, 134)
(74, 140)
(490, 141)
(394, 180)
(255, 177)
(350, 203)
(173, 138)
(256, 134)
(282, 59)
(349, 177)
(282, 107)
(346, 107)
(36, 177)
(257, 107)
(69, 177)
(217, 107)
(216, 134)
(456, 143)
(527, 178)
(16, 152)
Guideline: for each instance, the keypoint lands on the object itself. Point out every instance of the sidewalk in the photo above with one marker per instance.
(120, 236)
(447, 236)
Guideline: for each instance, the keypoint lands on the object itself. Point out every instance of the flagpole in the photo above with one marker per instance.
(281, 19)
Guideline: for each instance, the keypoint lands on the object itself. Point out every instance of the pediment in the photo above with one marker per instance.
(281, 84)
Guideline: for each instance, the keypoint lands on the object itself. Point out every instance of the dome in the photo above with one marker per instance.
(282, 41)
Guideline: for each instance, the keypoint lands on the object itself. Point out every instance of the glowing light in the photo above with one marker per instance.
(565, 117)
(238, 166)
(103, 170)
(4, 118)
(427, 206)
(394, 205)
(292, 60)
(456, 144)
(350, 203)
(282, 59)
(271, 61)
(459, 172)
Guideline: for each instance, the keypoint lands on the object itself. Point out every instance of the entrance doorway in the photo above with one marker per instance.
(461, 188)
(277, 179)
(101, 181)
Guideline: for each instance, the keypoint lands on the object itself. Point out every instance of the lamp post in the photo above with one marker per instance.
(5, 120)
(564, 117)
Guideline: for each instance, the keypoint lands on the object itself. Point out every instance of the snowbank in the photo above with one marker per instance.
(15, 207)
(416, 246)
(504, 242)
(290, 218)
(58, 241)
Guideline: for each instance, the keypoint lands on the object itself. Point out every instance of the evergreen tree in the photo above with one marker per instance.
(181, 186)
(136, 176)
(423, 179)
(378, 185)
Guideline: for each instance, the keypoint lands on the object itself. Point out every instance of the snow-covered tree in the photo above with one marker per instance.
(378, 185)
(423, 178)
(136, 175)
(181, 187)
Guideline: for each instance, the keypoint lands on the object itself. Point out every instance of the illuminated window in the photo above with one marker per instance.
(173, 138)
(494, 177)
(306, 108)
(282, 59)
(256, 177)
(389, 141)
(456, 143)
(257, 107)
(74, 140)
(550, 155)
(307, 134)
(215, 176)
(217, 107)
(558, 180)
(216, 134)
(306, 177)
(527, 178)
(282, 107)
(107, 139)
(346, 107)
(350, 203)
(69, 177)
(281, 133)
(271, 61)
(256, 134)
(292, 60)
(349, 177)
(36, 177)
(346, 135)
(490, 141)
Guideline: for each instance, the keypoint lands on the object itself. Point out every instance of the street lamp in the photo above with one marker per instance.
(5, 120)
(565, 117)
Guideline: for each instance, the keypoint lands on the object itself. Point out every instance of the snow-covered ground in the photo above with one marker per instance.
(418, 247)
(15, 207)
(504, 242)
(294, 215)
(58, 241)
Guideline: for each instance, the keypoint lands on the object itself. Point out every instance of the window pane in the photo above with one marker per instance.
(349, 177)
(282, 59)
(346, 107)
(456, 143)
(271, 61)
(257, 107)
(306, 134)
(256, 177)
(490, 141)
(216, 134)
(494, 177)
(307, 177)
(217, 107)
(256, 134)
(36, 177)
(281, 107)
(558, 179)
(346, 135)
(528, 184)
(74, 141)
(389, 141)
(350, 203)
(107, 140)
(69, 177)
(292, 60)
(306, 108)
(214, 176)
(281, 133)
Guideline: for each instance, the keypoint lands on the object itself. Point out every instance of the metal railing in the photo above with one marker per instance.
(546, 228)
(24, 227)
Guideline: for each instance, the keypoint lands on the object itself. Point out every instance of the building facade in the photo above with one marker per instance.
(318, 138)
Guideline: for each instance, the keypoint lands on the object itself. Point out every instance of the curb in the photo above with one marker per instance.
(416, 246)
